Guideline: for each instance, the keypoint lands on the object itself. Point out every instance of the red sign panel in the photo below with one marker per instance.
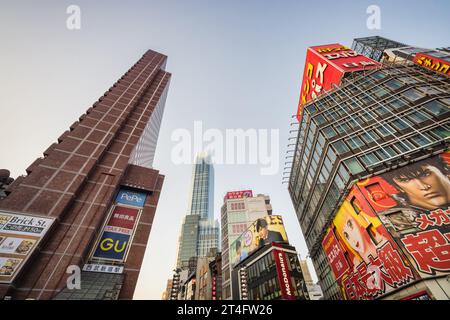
(284, 276)
(238, 194)
(432, 63)
(335, 255)
(122, 220)
(325, 66)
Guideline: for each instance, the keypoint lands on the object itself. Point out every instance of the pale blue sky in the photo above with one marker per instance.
(235, 64)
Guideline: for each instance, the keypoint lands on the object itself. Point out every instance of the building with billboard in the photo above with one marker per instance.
(199, 231)
(370, 164)
(89, 202)
(239, 211)
(271, 272)
(326, 66)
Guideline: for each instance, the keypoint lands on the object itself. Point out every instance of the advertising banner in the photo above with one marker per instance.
(435, 64)
(420, 218)
(238, 194)
(131, 198)
(393, 229)
(284, 276)
(19, 236)
(263, 231)
(112, 246)
(115, 239)
(376, 265)
(325, 66)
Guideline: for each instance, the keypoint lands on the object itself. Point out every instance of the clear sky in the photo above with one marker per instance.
(235, 64)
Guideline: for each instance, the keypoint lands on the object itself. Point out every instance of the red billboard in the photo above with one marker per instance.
(238, 194)
(326, 65)
(335, 255)
(284, 276)
(432, 63)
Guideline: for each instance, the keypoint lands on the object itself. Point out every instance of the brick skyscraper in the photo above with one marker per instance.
(90, 201)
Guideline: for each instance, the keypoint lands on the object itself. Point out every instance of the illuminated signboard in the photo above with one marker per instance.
(114, 241)
(428, 61)
(239, 194)
(325, 66)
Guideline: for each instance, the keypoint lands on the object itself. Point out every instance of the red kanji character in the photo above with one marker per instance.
(393, 264)
(439, 217)
(430, 250)
(424, 221)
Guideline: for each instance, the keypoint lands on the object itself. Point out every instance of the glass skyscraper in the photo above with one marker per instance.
(199, 232)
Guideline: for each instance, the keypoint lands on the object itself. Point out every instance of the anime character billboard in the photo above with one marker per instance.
(392, 229)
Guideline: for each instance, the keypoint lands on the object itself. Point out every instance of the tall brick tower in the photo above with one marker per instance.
(90, 201)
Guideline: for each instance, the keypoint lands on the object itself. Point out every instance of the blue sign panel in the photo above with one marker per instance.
(112, 246)
(131, 198)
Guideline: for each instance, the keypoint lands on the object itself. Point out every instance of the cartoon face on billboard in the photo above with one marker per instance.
(392, 228)
(262, 232)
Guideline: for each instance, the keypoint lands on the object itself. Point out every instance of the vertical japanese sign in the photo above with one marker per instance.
(115, 239)
(284, 276)
(325, 66)
(19, 237)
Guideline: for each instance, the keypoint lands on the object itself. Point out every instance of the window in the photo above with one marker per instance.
(355, 143)
(340, 147)
(441, 132)
(393, 84)
(369, 159)
(401, 124)
(385, 130)
(329, 132)
(417, 117)
(353, 166)
(342, 128)
(397, 104)
(320, 119)
(429, 90)
(369, 136)
(420, 140)
(436, 107)
(378, 75)
(412, 95)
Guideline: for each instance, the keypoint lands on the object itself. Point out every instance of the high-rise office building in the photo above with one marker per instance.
(90, 201)
(370, 184)
(239, 211)
(199, 231)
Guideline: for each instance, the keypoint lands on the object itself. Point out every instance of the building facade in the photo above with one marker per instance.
(239, 211)
(313, 289)
(89, 202)
(358, 146)
(272, 272)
